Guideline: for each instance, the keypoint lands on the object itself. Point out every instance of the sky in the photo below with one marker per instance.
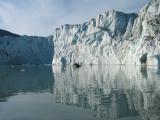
(42, 17)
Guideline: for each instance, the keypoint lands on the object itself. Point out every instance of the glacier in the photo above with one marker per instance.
(111, 38)
(18, 50)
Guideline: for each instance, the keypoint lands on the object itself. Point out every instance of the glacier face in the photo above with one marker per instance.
(26, 50)
(111, 38)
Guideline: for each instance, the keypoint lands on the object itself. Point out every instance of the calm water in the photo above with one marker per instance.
(88, 93)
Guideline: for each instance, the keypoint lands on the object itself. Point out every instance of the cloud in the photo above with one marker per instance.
(41, 17)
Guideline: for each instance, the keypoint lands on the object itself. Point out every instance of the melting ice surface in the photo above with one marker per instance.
(87, 93)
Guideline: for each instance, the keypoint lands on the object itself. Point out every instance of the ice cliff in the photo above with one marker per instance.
(111, 38)
(15, 49)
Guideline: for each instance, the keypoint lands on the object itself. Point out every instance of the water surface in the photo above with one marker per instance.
(87, 93)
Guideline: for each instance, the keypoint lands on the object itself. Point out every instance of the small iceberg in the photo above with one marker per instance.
(22, 70)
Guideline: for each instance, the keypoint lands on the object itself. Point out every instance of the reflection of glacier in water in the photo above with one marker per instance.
(24, 79)
(113, 92)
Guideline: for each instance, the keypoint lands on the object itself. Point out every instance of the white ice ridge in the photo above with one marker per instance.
(111, 38)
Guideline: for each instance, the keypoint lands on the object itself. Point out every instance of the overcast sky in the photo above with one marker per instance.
(41, 17)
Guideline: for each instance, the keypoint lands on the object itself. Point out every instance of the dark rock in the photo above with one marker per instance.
(77, 65)
(4, 33)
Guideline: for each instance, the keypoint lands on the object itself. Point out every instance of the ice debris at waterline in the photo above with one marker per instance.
(111, 38)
